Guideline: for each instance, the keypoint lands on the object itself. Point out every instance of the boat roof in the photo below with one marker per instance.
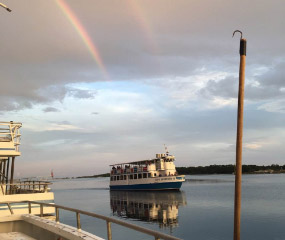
(143, 161)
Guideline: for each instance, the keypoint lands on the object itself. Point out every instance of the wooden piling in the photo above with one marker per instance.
(238, 176)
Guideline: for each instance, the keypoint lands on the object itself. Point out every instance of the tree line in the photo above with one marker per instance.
(229, 169)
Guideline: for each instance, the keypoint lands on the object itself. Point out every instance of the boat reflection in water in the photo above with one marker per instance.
(160, 207)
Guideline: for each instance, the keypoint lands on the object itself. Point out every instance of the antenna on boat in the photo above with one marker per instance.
(166, 150)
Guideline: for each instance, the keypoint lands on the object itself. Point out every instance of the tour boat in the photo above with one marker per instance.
(154, 174)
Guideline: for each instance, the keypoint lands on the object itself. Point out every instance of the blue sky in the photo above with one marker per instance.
(173, 76)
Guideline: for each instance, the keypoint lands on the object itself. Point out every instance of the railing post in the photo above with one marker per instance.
(30, 208)
(42, 210)
(9, 206)
(109, 230)
(57, 215)
(78, 221)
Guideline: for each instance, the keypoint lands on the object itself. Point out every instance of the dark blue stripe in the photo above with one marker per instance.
(152, 186)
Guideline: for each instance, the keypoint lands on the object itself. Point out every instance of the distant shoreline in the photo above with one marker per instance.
(218, 169)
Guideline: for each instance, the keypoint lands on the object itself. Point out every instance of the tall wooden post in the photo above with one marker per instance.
(237, 211)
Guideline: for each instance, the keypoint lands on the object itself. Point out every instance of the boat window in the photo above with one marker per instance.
(144, 175)
(118, 178)
(155, 174)
(149, 175)
(131, 176)
(140, 175)
(135, 176)
(125, 177)
(121, 177)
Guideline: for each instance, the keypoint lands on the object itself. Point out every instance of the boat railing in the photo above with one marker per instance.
(78, 213)
(25, 187)
(10, 132)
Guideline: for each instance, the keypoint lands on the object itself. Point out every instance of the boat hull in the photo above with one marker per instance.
(149, 186)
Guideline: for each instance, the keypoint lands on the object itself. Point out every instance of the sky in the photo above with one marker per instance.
(102, 82)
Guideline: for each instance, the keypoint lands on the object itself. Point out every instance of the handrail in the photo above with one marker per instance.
(7, 123)
(29, 186)
(109, 220)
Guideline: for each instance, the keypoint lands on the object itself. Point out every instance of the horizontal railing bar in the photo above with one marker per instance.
(113, 220)
(27, 184)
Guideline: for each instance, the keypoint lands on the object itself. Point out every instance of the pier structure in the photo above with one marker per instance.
(11, 189)
(9, 150)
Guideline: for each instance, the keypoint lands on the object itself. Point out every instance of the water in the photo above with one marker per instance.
(203, 209)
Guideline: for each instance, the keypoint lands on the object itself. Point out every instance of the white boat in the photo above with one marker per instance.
(27, 209)
(154, 174)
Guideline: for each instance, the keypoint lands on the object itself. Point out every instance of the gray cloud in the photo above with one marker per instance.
(50, 109)
(83, 94)
(18, 99)
(265, 86)
(65, 122)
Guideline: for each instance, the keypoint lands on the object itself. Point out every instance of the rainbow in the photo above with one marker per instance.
(139, 14)
(83, 34)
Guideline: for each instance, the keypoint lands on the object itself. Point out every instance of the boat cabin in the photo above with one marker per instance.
(161, 166)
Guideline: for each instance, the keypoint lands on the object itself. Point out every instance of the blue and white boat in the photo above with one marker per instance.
(154, 174)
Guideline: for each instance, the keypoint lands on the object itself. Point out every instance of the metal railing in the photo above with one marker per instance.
(10, 132)
(26, 187)
(109, 220)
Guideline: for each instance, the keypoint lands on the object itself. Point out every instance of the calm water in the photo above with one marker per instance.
(203, 209)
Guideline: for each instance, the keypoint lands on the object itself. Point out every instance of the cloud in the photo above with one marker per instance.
(253, 146)
(18, 99)
(50, 109)
(273, 106)
(82, 94)
(268, 86)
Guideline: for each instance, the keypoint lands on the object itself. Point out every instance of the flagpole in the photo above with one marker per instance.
(238, 176)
